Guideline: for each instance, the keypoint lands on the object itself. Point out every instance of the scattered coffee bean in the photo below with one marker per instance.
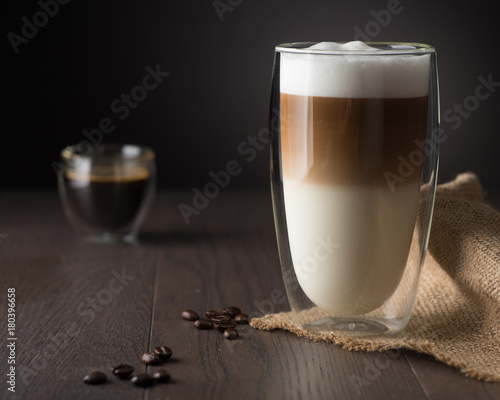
(150, 359)
(142, 380)
(232, 311)
(223, 327)
(231, 334)
(189, 315)
(122, 371)
(204, 324)
(221, 319)
(212, 313)
(161, 375)
(241, 318)
(163, 352)
(95, 378)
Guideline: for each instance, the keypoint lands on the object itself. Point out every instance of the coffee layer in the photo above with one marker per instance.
(346, 141)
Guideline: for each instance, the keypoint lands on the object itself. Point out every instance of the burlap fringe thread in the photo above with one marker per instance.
(457, 311)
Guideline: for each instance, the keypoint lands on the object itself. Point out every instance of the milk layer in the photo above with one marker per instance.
(368, 232)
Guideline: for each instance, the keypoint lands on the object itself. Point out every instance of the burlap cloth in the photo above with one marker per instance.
(456, 317)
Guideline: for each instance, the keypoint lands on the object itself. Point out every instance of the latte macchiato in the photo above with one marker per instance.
(345, 121)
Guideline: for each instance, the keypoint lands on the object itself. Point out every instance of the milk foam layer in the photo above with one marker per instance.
(352, 74)
(349, 245)
(355, 45)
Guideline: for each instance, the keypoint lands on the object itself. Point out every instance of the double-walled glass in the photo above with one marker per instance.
(354, 158)
(106, 191)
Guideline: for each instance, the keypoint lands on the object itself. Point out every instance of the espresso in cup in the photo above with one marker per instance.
(106, 193)
(105, 200)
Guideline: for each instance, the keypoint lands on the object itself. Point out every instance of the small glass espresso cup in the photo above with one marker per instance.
(106, 193)
(354, 158)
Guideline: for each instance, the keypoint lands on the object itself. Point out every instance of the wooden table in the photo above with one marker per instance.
(83, 307)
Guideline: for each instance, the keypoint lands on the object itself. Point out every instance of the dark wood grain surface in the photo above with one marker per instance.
(83, 307)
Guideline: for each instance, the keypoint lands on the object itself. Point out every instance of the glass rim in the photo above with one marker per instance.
(140, 152)
(393, 48)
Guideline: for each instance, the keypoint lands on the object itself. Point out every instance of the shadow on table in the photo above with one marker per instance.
(162, 239)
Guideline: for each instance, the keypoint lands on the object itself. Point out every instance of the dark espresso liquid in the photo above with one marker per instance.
(107, 203)
(346, 141)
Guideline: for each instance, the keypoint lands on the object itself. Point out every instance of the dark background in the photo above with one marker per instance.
(217, 94)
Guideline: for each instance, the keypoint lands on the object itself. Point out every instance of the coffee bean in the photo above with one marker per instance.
(231, 334)
(150, 359)
(212, 313)
(161, 375)
(221, 319)
(95, 378)
(163, 352)
(241, 319)
(189, 315)
(122, 371)
(142, 380)
(232, 311)
(204, 324)
(223, 327)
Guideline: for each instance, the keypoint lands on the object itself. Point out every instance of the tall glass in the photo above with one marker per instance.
(354, 158)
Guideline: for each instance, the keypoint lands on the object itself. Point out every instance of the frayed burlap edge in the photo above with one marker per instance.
(465, 334)
(284, 321)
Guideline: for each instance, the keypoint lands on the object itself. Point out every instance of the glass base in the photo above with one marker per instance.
(352, 326)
